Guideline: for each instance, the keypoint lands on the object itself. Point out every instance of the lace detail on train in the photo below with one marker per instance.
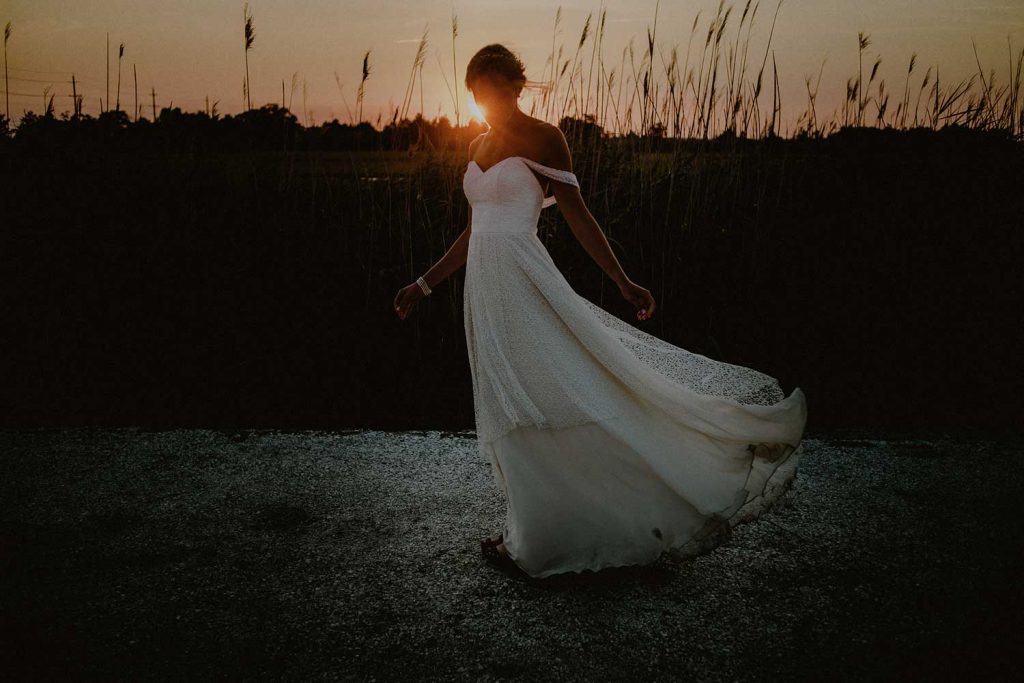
(700, 373)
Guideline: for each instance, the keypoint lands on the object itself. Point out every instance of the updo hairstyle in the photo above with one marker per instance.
(496, 59)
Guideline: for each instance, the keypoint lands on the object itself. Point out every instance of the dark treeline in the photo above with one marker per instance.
(270, 128)
(879, 270)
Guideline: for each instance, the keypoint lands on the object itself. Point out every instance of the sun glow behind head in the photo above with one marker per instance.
(479, 112)
(474, 109)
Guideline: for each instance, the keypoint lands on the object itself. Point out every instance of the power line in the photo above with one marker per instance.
(38, 71)
(66, 74)
(34, 94)
(38, 80)
(68, 94)
(51, 80)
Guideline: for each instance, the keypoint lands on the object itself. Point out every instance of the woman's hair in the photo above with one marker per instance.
(496, 59)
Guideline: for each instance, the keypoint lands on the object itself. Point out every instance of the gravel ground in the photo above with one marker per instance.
(207, 554)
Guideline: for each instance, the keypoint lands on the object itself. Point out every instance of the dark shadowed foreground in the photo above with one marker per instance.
(261, 554)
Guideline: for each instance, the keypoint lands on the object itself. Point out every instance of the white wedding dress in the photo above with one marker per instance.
(610, 444)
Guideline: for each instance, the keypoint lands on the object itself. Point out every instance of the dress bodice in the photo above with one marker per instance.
(507, 197)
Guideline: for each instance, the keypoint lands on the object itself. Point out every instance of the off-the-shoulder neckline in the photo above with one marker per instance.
(472, 162)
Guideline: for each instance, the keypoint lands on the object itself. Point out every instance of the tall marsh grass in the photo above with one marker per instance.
(855, 258)
(722, 84)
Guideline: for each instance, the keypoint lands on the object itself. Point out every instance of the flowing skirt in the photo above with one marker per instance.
(611, 445)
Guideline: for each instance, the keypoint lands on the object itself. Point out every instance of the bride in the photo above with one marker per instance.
(611, 445)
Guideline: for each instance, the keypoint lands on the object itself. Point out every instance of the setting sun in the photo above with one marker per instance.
(474, 110)
(312, 61)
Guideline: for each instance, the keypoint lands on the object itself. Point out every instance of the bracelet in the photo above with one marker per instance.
(423, 285)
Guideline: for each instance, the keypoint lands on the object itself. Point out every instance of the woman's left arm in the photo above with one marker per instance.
(583, 225)
(589, 234)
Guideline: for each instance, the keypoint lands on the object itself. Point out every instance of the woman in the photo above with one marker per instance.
(610, 444)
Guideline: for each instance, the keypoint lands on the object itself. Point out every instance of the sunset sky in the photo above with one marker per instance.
(188, 50)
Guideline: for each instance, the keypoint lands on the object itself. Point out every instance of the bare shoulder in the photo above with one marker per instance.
(556, 147)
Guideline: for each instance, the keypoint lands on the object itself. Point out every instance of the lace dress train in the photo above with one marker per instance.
(611, 445)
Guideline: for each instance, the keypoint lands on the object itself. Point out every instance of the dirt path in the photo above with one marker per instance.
(202, 554)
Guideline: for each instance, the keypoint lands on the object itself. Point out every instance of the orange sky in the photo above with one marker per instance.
(191, 49)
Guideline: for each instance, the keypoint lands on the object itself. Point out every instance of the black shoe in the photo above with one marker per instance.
(502, 560)
(491, 541)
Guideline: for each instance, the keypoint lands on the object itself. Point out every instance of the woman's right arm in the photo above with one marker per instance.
(453, 259)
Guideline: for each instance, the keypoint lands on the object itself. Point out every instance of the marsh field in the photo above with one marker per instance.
(194, 269)
(880, 271)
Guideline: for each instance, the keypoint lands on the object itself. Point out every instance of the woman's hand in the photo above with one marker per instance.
(639, 297)
(405, 299)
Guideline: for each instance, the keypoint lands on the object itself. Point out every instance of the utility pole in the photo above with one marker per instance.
(7, 85)
(120, 54)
